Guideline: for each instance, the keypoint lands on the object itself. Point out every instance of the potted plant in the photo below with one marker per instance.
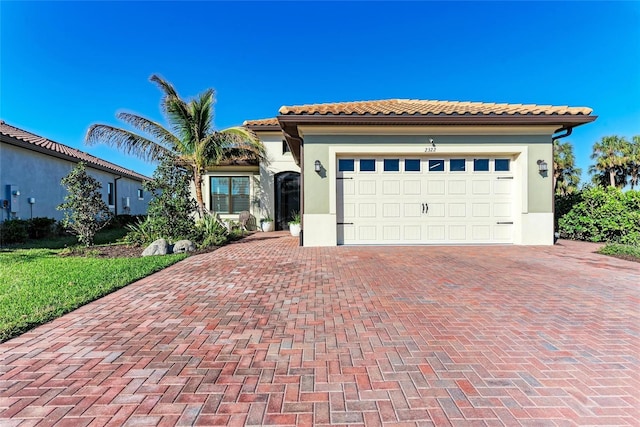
(294, 224)
(267, 224)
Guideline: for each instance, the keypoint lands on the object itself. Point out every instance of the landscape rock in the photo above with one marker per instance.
(159, 247)
(183, 246)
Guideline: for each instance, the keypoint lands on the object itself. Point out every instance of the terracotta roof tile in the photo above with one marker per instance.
(418, 107)
(56, 148)
(263, 123)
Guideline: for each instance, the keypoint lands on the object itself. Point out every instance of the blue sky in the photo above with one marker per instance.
(65, 65)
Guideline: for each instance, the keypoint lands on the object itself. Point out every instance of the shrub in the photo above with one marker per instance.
(85, 211)
(40, 227)
(171, 207)
(140, 233)
(13, 231)
(604, 215)
(210, 232)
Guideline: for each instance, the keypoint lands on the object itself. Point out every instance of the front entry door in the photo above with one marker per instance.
(287, 195)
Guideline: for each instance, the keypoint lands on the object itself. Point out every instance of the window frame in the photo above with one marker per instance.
(413, 160)
(384, 165)
(488, 160)
(285, 147)
(140, 194)
(464, 165)
(429, 170)
(495, 169)
(342, 161)
(229, 195)
(367, 160)
(110, 194)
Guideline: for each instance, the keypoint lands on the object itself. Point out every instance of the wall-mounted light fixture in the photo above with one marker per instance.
(433, 143)
(31, 200)
(16, 192)
(317, 166)
(542, 166)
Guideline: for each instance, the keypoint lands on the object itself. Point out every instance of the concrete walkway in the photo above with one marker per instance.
(263, 332)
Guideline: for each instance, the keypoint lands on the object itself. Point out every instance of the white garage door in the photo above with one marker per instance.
(428, 200)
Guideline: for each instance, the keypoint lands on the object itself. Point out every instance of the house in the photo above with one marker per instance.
(406, 171)
(31, 168)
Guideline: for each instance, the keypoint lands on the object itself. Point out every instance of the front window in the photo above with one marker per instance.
(110, 195)
(229, 194)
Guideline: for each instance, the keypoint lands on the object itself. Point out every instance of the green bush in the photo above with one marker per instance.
(40, 227)
(621, 250)
(14, 231)
(564, 204)
(140, 232)
(604, 215)
(209, 232)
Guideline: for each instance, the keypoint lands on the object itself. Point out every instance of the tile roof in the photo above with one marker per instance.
(44, 145)
(263, 123)
(417, 107)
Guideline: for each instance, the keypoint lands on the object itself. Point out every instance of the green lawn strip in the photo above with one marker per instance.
(627, 252)
(37, 286)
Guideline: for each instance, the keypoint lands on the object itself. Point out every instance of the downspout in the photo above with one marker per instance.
(115, 194)
(301, 192)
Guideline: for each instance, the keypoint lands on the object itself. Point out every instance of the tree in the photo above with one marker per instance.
(611, 156)
(633, 165)
(171, 205)
(566, 176)
(85, 211)
(190, 137)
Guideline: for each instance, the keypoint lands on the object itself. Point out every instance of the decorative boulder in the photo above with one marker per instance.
(183, 246)
(159, 247)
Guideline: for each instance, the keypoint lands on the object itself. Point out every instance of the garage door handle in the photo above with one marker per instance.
(504, 222)
(425, 208)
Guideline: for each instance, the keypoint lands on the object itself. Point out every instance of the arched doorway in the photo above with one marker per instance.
(287, 198)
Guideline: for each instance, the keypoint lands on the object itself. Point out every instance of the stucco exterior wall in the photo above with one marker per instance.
(38, 176)
(533, 203)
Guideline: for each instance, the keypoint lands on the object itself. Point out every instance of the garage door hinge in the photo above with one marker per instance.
(505, 177)
(504, 222)
(346, 177)
(345, 223)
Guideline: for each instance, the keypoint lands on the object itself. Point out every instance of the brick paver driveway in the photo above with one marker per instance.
(264, 332)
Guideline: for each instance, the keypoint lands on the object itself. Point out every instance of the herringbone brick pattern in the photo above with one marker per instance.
(263, 332)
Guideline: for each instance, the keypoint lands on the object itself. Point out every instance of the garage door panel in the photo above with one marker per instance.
(367, 232)
(480, 210)
(412, 187)
(348, 187)
(412, 232)
(367, 210)
(412, 210)
(457, 232)
(390, 187)
(391, 233)
(457, 210)
(457, 187)
(367, 188)
(436, 232)
(502, 186)
(481, 187)
(502, 210)
(436, 187)
(503, 233)
(349, 210)
(481, 232)
(391, 210)
(436, 210)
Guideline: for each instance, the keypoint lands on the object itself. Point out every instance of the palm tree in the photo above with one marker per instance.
(633, 169)
(611, 157)
(566, 176)
(190, 136)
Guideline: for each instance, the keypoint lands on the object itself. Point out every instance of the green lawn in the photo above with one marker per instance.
(37, 285)
(628, 252)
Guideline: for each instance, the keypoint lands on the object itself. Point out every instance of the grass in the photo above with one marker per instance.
(103, 237)
(628, 252)
(37, 285)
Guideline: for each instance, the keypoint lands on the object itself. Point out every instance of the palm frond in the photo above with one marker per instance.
(126, 141)
(150, 127)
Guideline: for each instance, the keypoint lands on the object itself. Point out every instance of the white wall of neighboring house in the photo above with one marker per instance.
(37, 177)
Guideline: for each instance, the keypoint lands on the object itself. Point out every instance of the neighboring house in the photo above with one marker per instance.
(31, 168)
(412, 171)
